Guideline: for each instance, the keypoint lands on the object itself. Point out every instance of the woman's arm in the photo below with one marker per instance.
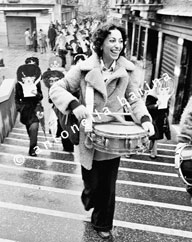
(39, 94)
(18, 96)
(61, 92)
(151, 102)
(133, 96)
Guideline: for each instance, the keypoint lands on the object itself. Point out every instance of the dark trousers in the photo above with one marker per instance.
(67, 145)
(32, 131)
(52, 44)
(99, 192)
(62, 54)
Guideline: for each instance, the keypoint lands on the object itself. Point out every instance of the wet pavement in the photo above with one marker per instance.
(40, 196)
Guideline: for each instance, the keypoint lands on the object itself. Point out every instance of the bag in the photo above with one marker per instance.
(39, 111)
(70, 125)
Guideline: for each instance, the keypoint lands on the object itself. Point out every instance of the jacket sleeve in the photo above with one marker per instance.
(185, 124)
(39, 92)
(18, 96)
(61, 93)
(151, 102)
(133, 95)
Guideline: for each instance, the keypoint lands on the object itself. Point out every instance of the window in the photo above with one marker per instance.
(13, 1)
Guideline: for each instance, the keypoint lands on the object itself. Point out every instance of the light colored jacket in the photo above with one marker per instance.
(121, 84)
(185, 124)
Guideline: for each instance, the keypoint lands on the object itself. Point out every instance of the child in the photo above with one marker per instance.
(50, 77)
(28, 95)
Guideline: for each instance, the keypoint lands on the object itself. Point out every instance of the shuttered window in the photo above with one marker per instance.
(169, 55)
(136, 40)
(142, 44)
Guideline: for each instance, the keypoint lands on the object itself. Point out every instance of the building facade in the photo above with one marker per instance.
(17, 15)
(160, 41)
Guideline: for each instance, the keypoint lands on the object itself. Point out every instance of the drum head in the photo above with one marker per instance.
(119, 130)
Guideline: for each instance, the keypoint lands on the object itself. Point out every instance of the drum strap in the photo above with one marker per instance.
(89, 101)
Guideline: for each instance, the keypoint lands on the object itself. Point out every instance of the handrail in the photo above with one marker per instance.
(6, 89)
(8, 111)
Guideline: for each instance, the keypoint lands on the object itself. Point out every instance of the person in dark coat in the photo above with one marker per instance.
(34, 40)
(160, 120)
(28, 95)
(52, 34)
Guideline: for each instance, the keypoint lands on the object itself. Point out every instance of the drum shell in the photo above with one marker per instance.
(120, 144)
(186, 170)
(185, 167)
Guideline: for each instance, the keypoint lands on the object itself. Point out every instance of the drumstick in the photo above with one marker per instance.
(117, 116)
(89, 100)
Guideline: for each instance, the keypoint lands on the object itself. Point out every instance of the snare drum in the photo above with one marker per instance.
(117, 138)
(183, 162)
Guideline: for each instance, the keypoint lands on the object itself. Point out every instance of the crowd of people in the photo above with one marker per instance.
(74, 39)
(98, 61)
(62, 38)
(35, 41)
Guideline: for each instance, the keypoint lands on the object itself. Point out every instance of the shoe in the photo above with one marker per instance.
(32, 154)
(152, 156)
(104, 234)
(128, 155)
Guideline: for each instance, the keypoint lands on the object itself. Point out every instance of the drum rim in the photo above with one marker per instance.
(179, 156)
(141, 133)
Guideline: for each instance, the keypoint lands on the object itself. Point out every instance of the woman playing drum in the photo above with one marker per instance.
(112, 77)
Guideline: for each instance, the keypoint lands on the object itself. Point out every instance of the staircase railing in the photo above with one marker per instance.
(7, 107)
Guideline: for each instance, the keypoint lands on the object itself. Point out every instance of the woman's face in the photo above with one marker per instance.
(112, 46)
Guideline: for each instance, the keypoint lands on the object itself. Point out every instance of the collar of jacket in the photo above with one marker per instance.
(94, 62)
(94, 76)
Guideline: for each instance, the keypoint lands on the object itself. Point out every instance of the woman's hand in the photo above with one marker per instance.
(34, 91)
(148, 126)
(81, 112)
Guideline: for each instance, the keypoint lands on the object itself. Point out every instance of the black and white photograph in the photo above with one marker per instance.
(95, 120)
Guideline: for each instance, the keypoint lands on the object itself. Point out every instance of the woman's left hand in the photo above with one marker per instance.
(148, 126)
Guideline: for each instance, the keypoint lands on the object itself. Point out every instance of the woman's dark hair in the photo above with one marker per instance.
(101, 34)
(33, 59)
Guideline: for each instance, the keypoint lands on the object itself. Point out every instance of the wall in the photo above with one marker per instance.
(7, 108)
(32, 1)
(177, 2)
(3, 30)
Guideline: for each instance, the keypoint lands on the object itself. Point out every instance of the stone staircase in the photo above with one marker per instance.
(40, 196)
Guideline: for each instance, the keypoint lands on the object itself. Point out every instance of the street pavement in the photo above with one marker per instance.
(40, 196)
